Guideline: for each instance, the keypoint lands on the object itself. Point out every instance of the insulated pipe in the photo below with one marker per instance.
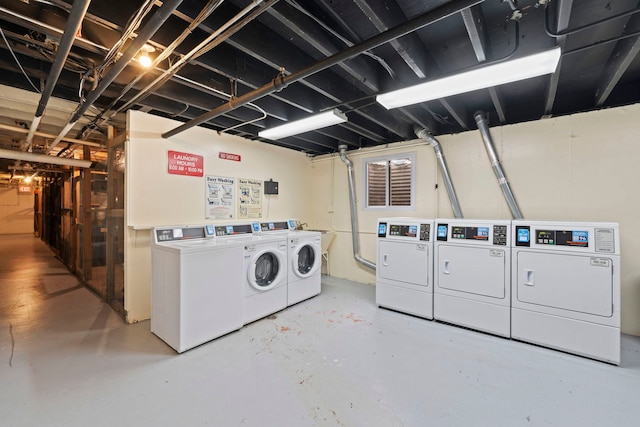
(78, 10)
(483, 127)
(22, 130)
(43, 158)
(154, 24)
(444, 169)
(282, 81)
(353, 207)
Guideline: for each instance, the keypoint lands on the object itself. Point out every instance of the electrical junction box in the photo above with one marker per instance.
(270, 187)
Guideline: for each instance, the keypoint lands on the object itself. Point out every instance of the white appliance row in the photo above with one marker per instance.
(556, 284)
(211, 280)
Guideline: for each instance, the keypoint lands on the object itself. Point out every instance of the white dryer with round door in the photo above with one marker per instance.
(265, 276)
(305, 259)
(404, 273)
(472, 274)
(566, 287)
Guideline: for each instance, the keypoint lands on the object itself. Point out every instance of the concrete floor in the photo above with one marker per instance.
(66, 359)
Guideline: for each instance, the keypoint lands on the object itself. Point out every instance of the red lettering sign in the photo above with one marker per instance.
(229, 156)
(185, 164)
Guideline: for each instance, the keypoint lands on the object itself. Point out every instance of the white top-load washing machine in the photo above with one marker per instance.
(472, 274)
(264, 268)
(566, 287)
(196, 289)
(304, 259)
(404, 273)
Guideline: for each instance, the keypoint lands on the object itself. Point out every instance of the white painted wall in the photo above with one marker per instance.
(154, 197)
(16, 211)
(582, 167)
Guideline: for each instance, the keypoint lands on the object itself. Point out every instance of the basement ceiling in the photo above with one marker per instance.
(211, 56)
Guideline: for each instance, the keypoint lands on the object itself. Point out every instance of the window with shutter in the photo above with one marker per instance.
(389, 181)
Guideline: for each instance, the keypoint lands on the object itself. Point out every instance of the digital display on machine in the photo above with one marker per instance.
(230, 230)
(403, 230)
(442, 232)
(274, 226)
(382, 229)
(579, 238)
(470, 233)
(523, 235)
(173, 234)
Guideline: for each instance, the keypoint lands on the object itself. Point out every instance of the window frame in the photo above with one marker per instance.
(388, 158)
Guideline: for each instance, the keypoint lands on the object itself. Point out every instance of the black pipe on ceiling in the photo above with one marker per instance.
(282, 81)
(78, 10)
(151, 27)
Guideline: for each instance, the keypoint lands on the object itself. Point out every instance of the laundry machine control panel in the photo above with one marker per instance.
(581, 237)
(487, 233)
(229, 230)
(404, 230)
(172, 234)
(278, 225)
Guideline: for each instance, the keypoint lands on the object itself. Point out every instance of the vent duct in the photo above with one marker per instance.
(444, 169)
(354, 212)
(483, 126)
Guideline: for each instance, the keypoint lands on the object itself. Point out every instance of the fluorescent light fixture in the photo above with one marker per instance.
(480, 78)
(317, 121)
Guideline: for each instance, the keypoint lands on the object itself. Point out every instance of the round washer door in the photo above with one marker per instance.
(306, 259)
(266, 270)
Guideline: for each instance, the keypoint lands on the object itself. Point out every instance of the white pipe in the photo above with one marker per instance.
(354, 213)
(44, 158)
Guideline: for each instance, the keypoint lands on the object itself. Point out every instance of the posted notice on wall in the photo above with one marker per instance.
(179, 163)
(250, 198)
(220, 197)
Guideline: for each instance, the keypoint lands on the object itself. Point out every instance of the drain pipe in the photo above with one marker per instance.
(483, 126)
(353, 207)
(151, 27)
(78, 10)
(444, 169)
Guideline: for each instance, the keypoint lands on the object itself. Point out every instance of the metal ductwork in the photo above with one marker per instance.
(150, 28)
(444, 169)
(483, 126)
(353, 208)
(282, 81)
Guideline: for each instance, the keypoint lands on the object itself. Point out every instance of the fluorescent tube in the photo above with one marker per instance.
(480, 78)
(314, 122)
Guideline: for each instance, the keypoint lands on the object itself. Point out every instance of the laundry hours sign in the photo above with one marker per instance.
(185, 164)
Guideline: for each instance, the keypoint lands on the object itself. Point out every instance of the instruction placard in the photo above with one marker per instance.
(220, 197)
(250, 198)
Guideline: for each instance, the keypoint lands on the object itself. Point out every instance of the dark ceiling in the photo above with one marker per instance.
(254, 42)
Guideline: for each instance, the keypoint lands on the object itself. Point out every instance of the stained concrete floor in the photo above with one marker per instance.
(66, 359)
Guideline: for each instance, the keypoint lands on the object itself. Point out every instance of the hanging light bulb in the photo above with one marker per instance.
(143, 58)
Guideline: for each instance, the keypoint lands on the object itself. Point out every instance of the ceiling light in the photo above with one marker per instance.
(328, 118)
(143, 58)
(480, 78)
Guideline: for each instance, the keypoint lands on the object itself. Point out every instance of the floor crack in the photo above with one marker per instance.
(13, 344)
